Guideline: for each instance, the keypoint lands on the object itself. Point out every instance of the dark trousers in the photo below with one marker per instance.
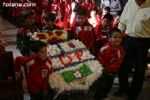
(136, 48)
(104, 85)
(41, 96)
(36, 96)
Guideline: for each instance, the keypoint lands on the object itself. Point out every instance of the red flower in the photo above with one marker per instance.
(54, 40)
(41, 36)
(59, 33)
(50, 33)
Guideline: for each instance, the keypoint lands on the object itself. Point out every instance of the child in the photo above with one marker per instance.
(103, 30)
(84, 31)
(104, 27)
(116, 20)
(50, 22)
(44, 13)
(38, 68)
(23, 38)
(110, 56)
(93, 20)
(87, 5)
(106, 10)
(56, 9)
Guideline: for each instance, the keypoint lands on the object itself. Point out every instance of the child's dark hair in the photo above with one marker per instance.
(81, 12)
(113, 31)
(37, 45)
(50, 16)
(107, 8)
(28, 13)
(108, 16)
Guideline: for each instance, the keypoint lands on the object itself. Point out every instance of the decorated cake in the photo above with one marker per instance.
(75, 68)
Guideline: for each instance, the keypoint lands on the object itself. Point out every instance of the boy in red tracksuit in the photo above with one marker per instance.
(23, 36)
(84, 31)
(55, 8)
(87, 5)
(37, 70)
(68, 10)
(50, 23)
(102, 31)
(110, 56)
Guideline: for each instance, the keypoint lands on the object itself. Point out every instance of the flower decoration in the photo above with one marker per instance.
(77, 74)
(40, 36)
(57, 36)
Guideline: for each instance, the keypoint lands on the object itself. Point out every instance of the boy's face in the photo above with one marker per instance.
(30, 20)
(49, 23)
(93, 13)
(116, 39)
(106, 23)
(116, 21)
(81, 19)
(105, 12)
(42, 53)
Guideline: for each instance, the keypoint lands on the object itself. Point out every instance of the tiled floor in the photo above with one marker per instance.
(8, 35)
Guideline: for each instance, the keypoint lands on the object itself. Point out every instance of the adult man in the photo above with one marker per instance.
(135, 21)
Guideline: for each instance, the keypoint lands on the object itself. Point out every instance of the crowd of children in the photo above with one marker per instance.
(98, 32)
(66, 15)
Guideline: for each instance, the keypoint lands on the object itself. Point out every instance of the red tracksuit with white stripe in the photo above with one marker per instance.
(88, 7)
(37, 72)
(111, 58)
(55, 8)
(85, 33)
(102, 33)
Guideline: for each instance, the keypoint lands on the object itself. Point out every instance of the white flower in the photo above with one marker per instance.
(77, 74)
(53, 50)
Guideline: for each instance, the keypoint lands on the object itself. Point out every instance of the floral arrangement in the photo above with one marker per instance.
(72, 45)
(57, 36)
(53, 50)
(75, 68)
(78, 77)
(68, 59)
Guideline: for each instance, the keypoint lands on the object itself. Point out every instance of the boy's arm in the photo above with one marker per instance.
(21, 61)
(101, 58)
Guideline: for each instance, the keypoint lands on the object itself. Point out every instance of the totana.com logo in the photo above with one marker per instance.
(19, 4)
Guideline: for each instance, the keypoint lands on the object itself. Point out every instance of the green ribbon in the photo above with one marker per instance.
(69, 76)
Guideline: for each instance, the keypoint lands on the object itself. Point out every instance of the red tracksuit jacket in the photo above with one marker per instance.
(68, 11)
(85, 33)
(55, 8)
(37, 72)
(111, 58)
(102, 33)
(88, 7)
